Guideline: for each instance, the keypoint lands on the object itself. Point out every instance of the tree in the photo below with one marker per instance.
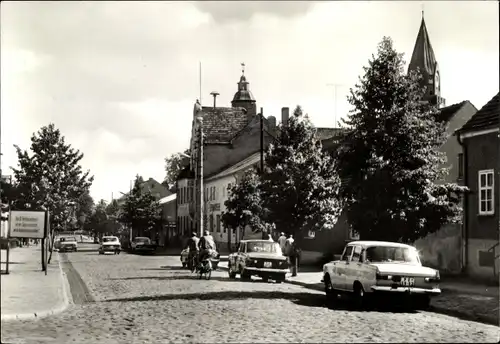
(244, 207)
(84, 209)
(51, 177)
(141, 211)
(99, 218)
(390, 159)
(8, 193)
(174, 165)
(300, 188)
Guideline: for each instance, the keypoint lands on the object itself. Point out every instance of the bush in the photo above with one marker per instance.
(14, 242)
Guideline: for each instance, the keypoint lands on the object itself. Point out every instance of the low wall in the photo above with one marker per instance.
(442, 249)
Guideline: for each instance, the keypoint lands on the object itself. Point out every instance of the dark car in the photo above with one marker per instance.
(143, 245)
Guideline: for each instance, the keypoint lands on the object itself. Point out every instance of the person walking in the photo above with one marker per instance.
(294, 258)
(281, 241)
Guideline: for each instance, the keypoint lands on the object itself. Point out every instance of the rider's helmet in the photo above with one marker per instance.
(206, 233)
(194, 234)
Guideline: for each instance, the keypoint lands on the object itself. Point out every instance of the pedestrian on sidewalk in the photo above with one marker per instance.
(294, 258)
(281, 241)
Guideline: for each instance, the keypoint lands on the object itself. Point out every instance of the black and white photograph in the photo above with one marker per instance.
(249, 172)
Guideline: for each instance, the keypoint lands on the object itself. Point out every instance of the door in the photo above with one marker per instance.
(240, 258)
(353, 268)
(341, 269)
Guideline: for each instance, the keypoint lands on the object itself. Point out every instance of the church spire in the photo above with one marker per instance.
(423, 59)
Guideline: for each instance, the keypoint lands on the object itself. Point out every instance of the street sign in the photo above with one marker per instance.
(27, 224)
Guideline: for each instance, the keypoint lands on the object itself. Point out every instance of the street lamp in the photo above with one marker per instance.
(200, 174)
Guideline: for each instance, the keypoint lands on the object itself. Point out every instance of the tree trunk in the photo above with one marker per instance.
(44, 266)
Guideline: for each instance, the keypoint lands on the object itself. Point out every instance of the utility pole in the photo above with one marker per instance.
(200, 174)
(335, 86)
(261, 140)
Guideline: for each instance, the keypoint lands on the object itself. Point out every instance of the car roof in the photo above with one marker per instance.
(378, 243)
(110, 236)
(254, 240)
(141, 238)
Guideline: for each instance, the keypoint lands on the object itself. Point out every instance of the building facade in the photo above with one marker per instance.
(480, 138)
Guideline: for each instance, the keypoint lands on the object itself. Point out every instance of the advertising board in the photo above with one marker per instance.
(27, 224)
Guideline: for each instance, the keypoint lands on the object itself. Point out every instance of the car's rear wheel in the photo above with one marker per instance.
(280, 278)
(358, 295)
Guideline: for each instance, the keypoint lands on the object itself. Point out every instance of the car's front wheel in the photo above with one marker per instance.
(245, 275)
(330, 292)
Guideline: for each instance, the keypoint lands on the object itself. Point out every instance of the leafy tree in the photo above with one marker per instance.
(299, 184)
(174, 165)
(390, 160)
(51, 177)
(8, 193)
(84, 209)
(141, 211)
(244, 205)
(99, 218)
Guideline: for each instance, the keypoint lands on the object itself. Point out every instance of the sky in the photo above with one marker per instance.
(120, 79)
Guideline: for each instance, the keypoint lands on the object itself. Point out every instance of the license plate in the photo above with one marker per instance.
(268, 264)
(407, 281)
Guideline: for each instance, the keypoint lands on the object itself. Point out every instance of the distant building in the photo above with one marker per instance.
(168, 214)
(480, 138)
(231, 135)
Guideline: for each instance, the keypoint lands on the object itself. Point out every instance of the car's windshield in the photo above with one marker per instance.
(109, 239)
(264, 247)
(67, 239)
(142, 240)
(378, 254)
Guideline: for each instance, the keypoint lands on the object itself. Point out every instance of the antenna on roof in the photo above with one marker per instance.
(422, 6)
(200, 82)
(243, 68)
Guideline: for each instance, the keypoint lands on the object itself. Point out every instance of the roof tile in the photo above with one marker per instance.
(221, 124)
(487, 117)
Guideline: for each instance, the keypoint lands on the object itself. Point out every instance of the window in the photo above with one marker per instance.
(218, 223)
(486, 186)
(486, 258)
(460, 166)
(206, 194)
(228, 189)
(212, 223)
(347, 252)
(356, 254)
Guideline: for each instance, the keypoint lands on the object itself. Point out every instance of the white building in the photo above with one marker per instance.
(216, 193)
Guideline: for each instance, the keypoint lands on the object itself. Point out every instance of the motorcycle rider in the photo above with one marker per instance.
(206, 245)
(192, 244)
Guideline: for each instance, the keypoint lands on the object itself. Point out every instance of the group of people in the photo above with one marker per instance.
(200, 248)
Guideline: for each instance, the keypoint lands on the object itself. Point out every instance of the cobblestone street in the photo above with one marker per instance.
(150, 299)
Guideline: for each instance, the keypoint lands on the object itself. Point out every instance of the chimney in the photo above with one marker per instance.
(214, 94)
(285, 114)
(272, 123)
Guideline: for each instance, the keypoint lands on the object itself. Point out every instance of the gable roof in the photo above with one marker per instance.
(221, 124)
(487, 117)
(446, 114)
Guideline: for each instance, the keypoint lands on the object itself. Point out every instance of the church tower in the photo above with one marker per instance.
(244, 98)
(423, 58)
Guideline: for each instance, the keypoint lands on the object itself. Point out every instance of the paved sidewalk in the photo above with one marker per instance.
(26, 291)
(464, 300)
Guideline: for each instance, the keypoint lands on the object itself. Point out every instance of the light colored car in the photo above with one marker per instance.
(110, 244)
(368, 268)
(66, 244)
(258, 258)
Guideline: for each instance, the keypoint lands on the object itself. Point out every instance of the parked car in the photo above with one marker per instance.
(185, 254)
(110, 244)
(369, 268)
(142, 244)
(258, 258)
(66, 244)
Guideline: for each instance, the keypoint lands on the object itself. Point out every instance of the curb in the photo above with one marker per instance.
(51, 311)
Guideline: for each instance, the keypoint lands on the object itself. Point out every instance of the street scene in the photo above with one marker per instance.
(150, 299)
(180, 172)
